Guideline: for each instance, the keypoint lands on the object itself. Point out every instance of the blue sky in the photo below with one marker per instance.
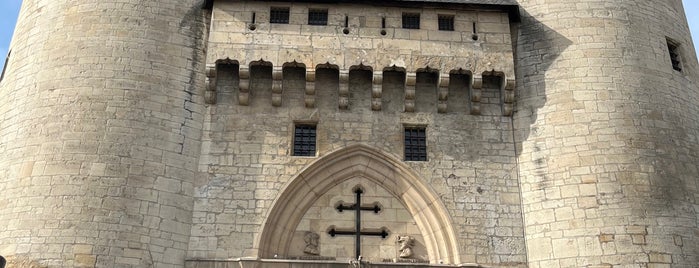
(10, 8)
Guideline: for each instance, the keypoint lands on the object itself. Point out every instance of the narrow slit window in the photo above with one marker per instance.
(305, 140)
(317, 17)
(279, 15)
(415, 144)
(446, 22)
(411, 21)
(675, 58)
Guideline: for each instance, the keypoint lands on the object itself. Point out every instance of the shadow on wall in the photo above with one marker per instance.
(537, 49)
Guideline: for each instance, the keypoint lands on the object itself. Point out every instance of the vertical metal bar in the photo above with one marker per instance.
(358, 227)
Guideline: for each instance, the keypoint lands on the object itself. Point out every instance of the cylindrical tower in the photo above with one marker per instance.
(608, 133)
(100, 126)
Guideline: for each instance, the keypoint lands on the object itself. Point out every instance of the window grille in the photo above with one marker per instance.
(318, 17)
(415, 144)
(446, 22)
(305, 140)
(411, 21)
(279, 15)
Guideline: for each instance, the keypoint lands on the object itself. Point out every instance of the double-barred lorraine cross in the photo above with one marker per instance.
(358, 231)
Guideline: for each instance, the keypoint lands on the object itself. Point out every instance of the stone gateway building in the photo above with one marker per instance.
(325, 134)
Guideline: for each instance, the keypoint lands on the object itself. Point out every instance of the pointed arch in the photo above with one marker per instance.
(391, 173)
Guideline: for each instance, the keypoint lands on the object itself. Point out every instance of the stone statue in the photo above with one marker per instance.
(406, 246)
(312, 241)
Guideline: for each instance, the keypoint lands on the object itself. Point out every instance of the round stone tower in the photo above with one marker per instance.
(99, 133)
(608, 133)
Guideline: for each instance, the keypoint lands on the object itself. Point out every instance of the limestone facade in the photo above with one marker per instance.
(161, 134)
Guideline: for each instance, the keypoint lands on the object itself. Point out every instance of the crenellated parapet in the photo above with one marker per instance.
(370, 38)
(280, 80)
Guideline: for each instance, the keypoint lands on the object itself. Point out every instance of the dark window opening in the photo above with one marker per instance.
(305, 140)
(446, 22)
(415, 144)
(674, 49)
(279, 15)
(411, 21)
(317, 17)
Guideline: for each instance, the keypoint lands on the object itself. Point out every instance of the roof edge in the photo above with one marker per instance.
(508, 6)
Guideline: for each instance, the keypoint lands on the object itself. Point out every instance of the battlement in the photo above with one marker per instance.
(355, 37)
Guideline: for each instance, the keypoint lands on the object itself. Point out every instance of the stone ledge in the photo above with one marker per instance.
(250, 262)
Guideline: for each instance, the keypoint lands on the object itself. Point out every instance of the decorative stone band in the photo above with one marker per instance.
(474, 85)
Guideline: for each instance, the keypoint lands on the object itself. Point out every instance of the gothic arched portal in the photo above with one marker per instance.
(301, 192)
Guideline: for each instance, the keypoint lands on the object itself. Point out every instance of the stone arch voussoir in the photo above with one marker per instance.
(391, 173)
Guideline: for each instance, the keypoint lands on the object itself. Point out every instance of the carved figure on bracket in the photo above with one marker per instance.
(406, 246)
(312, 243)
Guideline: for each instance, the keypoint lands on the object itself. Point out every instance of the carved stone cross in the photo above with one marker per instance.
(358, 231)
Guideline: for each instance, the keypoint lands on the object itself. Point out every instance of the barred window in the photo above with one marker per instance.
(279, 15)
(415, 144)
(674, 49)
(411, 21)
(446, 22)
(317, 17)
(305, 140)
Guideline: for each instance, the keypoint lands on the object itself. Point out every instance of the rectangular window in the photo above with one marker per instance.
(674, 49)
(305, 140)
(279, 15)
(446, 22)
(411, 21)
(317, 17)
(415, 144)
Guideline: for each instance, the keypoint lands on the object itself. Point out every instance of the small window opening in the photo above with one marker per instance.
(446, 22)
(383, 22)
(253, 17)
(346, 21)
(279, 15)
(305, 140)
(674, 49)
(411, 21)
(415, 144)
(317, 17)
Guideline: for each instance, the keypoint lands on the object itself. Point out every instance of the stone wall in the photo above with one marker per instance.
(100, 124)
(607, 135)
(246, 158)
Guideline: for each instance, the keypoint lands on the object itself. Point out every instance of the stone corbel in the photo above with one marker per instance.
(376, 91)
(343, 100)
(277, 87)
(508, 96)
(310, 96)
(443, 93)
(244, 86)
(210, 93)
(476, 89)
(410, 81)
